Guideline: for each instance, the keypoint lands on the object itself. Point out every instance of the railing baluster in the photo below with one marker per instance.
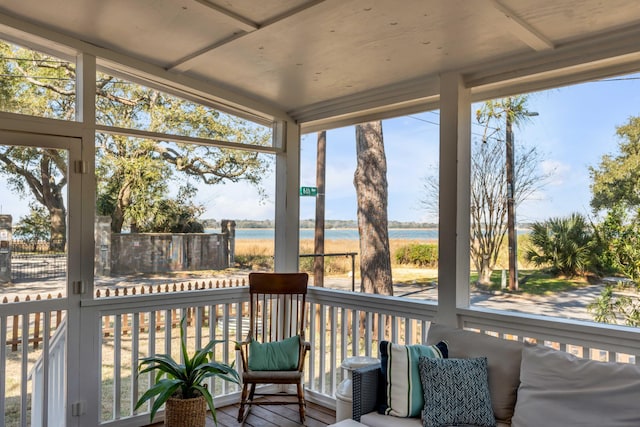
(168, 326)
(152, 346)
(3, 364)
(24, 369)
(312, 340)
(423, 331)
(323, 349)
(344, 328)
(225, 317)
(227, 386)
(408, 331)
(355, 332)
(394, 329)
(45, 372)
(117, 363)
(334, 353)
(135, 350)
(367, 333)
(198, 324)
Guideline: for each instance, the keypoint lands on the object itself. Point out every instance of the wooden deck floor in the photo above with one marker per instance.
(272, 416)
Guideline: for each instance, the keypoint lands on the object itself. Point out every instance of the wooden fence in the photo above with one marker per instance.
(35, 332)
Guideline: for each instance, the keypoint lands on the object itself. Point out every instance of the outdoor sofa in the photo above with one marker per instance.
(528, 385)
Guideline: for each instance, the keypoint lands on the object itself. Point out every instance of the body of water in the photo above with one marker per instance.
(340, 233)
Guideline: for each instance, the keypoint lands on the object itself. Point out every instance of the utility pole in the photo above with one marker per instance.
(512, 236)
(318, 260)
(511, 210)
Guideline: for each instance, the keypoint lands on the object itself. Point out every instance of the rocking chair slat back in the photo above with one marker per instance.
(277, 305)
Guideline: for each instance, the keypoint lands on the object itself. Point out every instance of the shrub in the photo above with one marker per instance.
(564, 244)
(618, 243)
(332, 264)
(254, 262)
(610, 307)
(419, 254)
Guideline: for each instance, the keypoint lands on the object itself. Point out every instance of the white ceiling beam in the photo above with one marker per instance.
(384, 102)
(373, 114)
(613, 46)
(188, 61)
(521, 29)
(561, 77)
(243, 22)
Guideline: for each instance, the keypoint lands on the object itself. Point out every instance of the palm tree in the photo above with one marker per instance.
(564, 244)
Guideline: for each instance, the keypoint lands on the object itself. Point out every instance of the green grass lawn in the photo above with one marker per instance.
(536, 282)
(531, 281)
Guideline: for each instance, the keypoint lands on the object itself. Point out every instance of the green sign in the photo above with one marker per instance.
(309, 191)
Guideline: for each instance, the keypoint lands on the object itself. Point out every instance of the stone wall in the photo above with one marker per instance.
(162, 252)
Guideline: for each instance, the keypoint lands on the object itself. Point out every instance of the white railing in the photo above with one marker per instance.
(340, 324)
(26, 334)
(584, 339)
(133, 327)
(48, 374)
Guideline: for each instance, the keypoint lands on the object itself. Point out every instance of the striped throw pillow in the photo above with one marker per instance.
(403, 393)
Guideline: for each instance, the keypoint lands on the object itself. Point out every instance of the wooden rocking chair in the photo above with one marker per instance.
(275, 349)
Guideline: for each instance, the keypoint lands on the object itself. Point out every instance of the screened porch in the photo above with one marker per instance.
(290, 69)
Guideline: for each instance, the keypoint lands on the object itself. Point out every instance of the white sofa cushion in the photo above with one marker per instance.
(503, 359)
(559, 389)
(374, 419)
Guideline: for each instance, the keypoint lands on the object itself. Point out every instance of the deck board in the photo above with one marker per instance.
(271, 416)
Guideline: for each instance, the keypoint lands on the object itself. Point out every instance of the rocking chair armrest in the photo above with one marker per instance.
(305, 347)
(243, 348)
(242, 344)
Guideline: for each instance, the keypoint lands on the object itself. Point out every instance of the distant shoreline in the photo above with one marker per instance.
(340, 233)
(418, 234)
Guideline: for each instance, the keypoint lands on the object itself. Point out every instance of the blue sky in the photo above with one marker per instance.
(575, 127)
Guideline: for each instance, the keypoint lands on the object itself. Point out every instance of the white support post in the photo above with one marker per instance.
(287, 216)
(84, 331)
(454, 198)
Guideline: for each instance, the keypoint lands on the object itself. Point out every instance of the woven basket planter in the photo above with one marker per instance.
(185, 412)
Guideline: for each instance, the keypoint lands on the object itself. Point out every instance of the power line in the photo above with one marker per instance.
(472, 133)
(617, 79)
(424, 120)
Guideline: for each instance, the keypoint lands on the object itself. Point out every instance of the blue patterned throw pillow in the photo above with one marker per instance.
(456, 392)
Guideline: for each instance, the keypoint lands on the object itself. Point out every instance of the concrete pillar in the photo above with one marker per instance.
(5, 248)
(229, 236)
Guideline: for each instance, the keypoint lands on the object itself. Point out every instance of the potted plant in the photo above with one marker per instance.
(181, 385)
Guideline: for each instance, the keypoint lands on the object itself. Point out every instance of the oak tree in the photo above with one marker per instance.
(135, 175)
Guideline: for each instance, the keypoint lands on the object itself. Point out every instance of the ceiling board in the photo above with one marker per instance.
(309, 56)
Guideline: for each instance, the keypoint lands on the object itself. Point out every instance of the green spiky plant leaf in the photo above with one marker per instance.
(184, 380)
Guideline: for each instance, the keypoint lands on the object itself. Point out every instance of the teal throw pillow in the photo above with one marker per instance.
(274, 356)
(403, 395)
